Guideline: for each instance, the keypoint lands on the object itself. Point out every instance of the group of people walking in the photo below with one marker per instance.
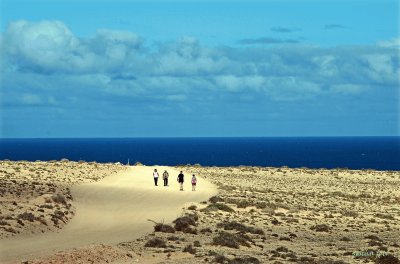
(180, 179)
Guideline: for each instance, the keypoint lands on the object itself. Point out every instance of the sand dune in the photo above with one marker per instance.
(112, 210)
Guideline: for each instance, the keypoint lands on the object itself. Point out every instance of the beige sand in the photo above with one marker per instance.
(305, 216)
(112, 210)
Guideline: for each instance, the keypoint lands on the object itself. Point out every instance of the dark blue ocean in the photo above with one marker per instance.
(381, 153)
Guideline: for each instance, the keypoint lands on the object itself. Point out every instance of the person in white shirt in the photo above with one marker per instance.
(155, 176)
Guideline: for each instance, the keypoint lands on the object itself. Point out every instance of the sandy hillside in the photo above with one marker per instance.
(259, 215)
(114, 209)
(35, 197)
(283, 215)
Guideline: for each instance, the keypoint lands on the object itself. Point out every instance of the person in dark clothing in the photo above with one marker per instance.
(181, 180)
(165, 178)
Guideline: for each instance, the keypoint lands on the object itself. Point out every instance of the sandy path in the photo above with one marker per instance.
(112, 210)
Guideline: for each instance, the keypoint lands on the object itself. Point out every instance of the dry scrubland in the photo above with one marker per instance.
(260, 215)
(283, 215)
(35, 197)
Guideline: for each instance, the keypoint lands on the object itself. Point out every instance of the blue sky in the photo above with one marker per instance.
(199, 68)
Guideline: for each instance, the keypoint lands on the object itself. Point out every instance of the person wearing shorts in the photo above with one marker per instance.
(194, 182)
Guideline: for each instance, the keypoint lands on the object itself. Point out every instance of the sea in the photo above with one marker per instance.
(379, 153)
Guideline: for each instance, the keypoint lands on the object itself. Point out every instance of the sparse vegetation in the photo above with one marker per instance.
(156, 242)
(186, 223)
(231, 240)
(27, 216)
(218, 206)
(192, 207)
(159, 227)
(321, 228)
(240, 227)
(244, 260)
(216, 199)
(190, 249)
(387, 259)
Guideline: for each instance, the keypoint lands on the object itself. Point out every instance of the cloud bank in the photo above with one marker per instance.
(45, 64)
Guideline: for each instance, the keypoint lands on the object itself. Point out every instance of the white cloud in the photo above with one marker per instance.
(176, 97)
(238, 83)
(46, 55)
(348, 88)
(30, 99)
(393, 43)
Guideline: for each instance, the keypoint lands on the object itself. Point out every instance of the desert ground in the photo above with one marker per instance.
(114, 214)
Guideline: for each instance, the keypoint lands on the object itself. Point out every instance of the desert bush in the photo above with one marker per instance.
(220, 259)
(243, 203)
(244, 260)
(321, 228)
(190, 249)
(384, 216)
(196, 244)
(231, 240)
(387, 259)
(47, 206)
(192, 207)
(240, 227)
(173, 238)
(27, 216)
(216, 199)
(331, 261)
(159, 227)
(261, 205)
(206, 230)
(59, 198)
(3, 223)
(373, 237)
(156, 242)
(11, 230)
(282, 249)
(41, 220)
(58, 214)
(218, 206)
(349, 213)
(184, 221)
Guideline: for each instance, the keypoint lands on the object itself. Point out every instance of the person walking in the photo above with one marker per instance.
(181, 180)
(194, 182)
(155, 176)
(165, 177)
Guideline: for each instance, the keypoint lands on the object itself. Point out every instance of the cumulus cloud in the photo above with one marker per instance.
(46, 57)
